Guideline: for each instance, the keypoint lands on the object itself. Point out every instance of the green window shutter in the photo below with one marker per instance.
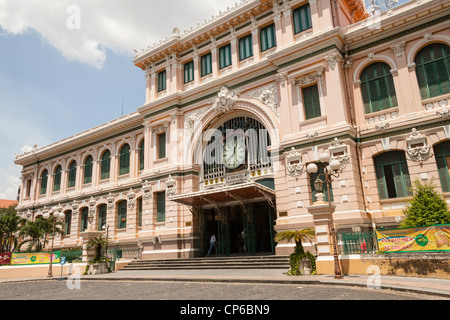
(245, 47)
(141, 155)
(381, 182)
(105, 165)
(206, 64)
(311, 102)
(160, 207)
(162, 145)
(72, 175)
(267, 37)
(84, 219)
(140, 212)
(377, 88)
(57, 179)
(44, 179)
(162, 80)
(189, 72)
(67, 222)
(392, 175)
(225, 56)
(124, 161)
(302, 18)
(88, 170)
(442, 155)
(433, 70)
(122, 215)
(101, 216)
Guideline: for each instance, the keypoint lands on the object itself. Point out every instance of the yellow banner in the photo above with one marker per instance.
(34, 257)
(427, 238)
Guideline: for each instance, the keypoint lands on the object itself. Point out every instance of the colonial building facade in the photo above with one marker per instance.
(237, 107)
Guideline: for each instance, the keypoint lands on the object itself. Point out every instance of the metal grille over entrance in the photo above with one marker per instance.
(241, 216)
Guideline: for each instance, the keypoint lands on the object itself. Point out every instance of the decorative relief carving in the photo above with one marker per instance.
(131, 199)
(417, 149)
(225, 100)
(268, 96)
(310, 78)
(338, 151)
(398, 48)
(333, 59)
(146, 191)
(170, 187)
(295, 165)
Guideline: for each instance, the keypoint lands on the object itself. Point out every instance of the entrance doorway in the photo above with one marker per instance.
(239, 230)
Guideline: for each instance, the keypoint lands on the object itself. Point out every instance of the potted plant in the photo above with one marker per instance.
(98, 264)
(301, 262)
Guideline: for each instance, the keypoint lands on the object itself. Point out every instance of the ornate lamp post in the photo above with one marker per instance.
(331, 172)
(106, 226)
(57, 214)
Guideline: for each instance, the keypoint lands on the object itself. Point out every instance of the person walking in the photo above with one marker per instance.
(212, 244)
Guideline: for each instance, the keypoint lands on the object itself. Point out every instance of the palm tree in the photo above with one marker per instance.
(9, 226)
(36, 233)
(299, 253)
(98, 242)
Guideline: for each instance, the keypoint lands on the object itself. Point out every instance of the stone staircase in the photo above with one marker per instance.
(218, 262)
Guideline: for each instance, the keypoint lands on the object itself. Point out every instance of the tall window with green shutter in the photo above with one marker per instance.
(67, 222)
(245, 47)
(44, 179)
(206, 64)
(162, 80)
(433, 70)
(101, 216)
(57, 179)
(88, 170)
(442, 155)
(311, 102)
(377, 87)
(225, 56)
(161, 145)
(160, 207)
(105, 165)
(84, 219)
(140, 212)
(189, 72)
(72, 174)
(267, 37)
(392, 174)
(124, 160)
(141, 155)
(122, 214)
(302, 18)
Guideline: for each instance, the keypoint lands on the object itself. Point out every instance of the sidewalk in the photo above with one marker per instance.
(439, 287)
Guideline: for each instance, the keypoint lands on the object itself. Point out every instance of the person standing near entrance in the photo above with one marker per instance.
(212, 244)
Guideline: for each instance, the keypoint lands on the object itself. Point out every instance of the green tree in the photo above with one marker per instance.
(98, 243)
(36, 233)
(299, 236)
(9, 227)
(426, 208)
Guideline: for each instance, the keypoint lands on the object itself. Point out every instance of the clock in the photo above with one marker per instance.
(234, 152)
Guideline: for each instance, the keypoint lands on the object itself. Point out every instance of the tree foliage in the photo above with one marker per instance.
(426, 208)
(9, 226)
(98, 243)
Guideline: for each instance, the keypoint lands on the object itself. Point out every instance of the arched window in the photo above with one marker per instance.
(433, 70)
(84, 219)
(105, 165)
(124, 160)
(44, 179)
(57, 179)
(101, 216)
(141, 155)
(392, 175)
(88, 170)
(72, 174)
(442, 154)
(377, 87)
(122, 214)
(140, 212)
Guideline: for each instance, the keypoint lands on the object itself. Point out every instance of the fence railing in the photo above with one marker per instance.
(357, 242)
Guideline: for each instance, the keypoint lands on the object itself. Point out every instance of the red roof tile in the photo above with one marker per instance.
(7, 203)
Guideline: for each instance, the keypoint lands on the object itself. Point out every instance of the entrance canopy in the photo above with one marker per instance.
(227, 194)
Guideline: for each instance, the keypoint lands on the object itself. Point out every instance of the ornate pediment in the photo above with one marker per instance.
(418, 150)
(294, 163)
(225, 100)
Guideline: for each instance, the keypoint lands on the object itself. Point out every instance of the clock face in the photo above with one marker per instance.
(234, 152)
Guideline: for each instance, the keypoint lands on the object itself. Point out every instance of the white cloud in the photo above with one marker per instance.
(116, 25)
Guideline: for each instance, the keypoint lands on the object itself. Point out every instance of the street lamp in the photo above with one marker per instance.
(57, 214)
(331, 171)
(106, 227)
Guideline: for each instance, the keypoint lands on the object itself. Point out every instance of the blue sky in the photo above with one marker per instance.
(56, 80)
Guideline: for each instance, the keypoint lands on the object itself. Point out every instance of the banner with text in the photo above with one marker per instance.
(5, 257)
(34, 257)
(417, 239)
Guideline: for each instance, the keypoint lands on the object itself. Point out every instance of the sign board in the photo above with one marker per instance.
(418, 239)
(5, 257)
(20, 258)
(63, 261)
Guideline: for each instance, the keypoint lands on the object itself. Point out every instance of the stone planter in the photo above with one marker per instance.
(305, 267)
(98, 268)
